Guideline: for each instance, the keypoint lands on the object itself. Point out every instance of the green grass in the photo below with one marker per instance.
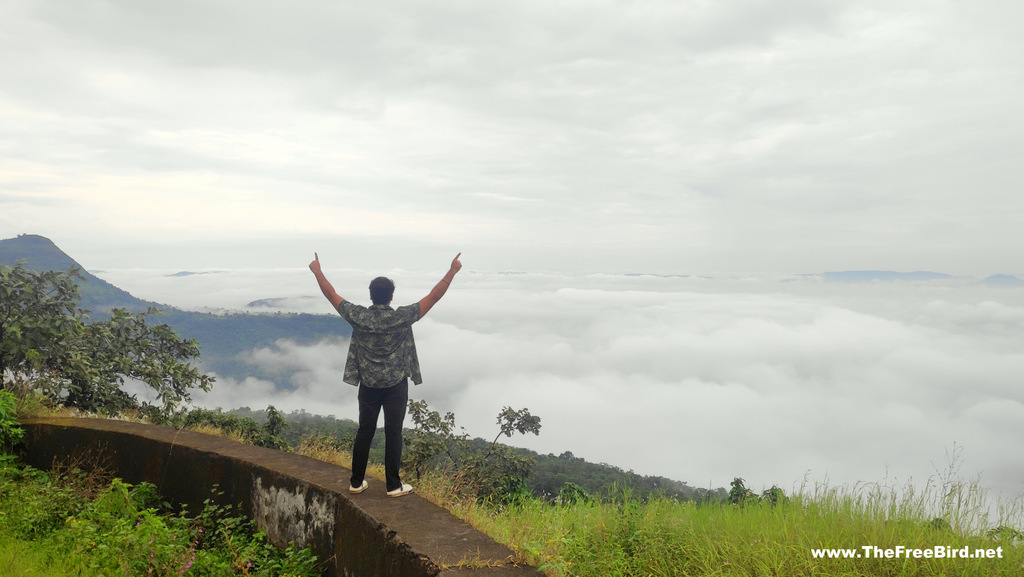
(624, 536)
(26, 559)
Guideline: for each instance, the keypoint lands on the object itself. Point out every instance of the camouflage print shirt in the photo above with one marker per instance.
(382, 351)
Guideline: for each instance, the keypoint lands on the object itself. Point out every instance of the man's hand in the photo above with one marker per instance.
(325, 285)
(428, 302)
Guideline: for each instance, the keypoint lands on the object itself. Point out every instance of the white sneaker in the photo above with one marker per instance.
(359, 489)
(403, 490)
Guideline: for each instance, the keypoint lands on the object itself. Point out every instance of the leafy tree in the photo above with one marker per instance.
(276, 422)
(774, 496)
(521, 421)
(739, 494)
(46, 339)
(572, 493)
(38, 311)
(494, 472)
(432, 436)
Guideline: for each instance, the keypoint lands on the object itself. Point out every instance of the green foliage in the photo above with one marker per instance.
(301, 425)
(774, 496)
(123, 531)
(48, 340)
(432, 436)
(522, 421)
(494, 472)
(128, 346)
(276, 423)
(11, 432)
(572, 494)
(739, 494)
(145, 496)
(34, 503)
(265, 435)
(38, 314)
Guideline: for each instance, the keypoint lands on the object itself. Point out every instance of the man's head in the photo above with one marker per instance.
(381, 290)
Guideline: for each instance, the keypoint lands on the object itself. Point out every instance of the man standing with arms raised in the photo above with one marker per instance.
(381, 360)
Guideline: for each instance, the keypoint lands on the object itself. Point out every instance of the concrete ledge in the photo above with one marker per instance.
(294, 499)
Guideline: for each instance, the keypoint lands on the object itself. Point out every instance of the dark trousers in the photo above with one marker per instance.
(393, 400)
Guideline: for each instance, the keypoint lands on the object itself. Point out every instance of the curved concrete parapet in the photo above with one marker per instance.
(294, 499)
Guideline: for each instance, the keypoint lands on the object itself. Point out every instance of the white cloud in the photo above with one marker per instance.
(309, 378)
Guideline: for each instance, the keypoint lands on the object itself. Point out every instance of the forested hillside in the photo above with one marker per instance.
(550, 472)
(221, 337)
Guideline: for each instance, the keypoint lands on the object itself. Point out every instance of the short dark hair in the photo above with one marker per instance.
(381, 290)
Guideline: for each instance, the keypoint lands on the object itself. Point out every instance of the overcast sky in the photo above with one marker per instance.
(674, 136)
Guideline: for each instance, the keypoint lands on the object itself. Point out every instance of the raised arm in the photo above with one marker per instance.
(427, 302)
(325, 285)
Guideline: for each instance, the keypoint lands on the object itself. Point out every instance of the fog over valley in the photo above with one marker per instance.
(698, 378)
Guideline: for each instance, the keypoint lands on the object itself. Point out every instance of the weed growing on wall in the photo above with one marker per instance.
(125, 530)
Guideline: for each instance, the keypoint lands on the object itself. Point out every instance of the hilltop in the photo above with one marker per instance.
(40, 254)
(221, 337)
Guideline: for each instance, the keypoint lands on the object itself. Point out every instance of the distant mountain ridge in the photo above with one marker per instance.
(1003, 280)
(882, 275)
(222, 338)
(860, 276)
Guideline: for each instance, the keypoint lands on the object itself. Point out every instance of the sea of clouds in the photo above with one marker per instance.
(779, 380)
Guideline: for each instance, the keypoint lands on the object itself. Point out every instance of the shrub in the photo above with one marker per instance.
(47, 339)
(494, 472)
(128, 530)
(11, 432)
(246, 428)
